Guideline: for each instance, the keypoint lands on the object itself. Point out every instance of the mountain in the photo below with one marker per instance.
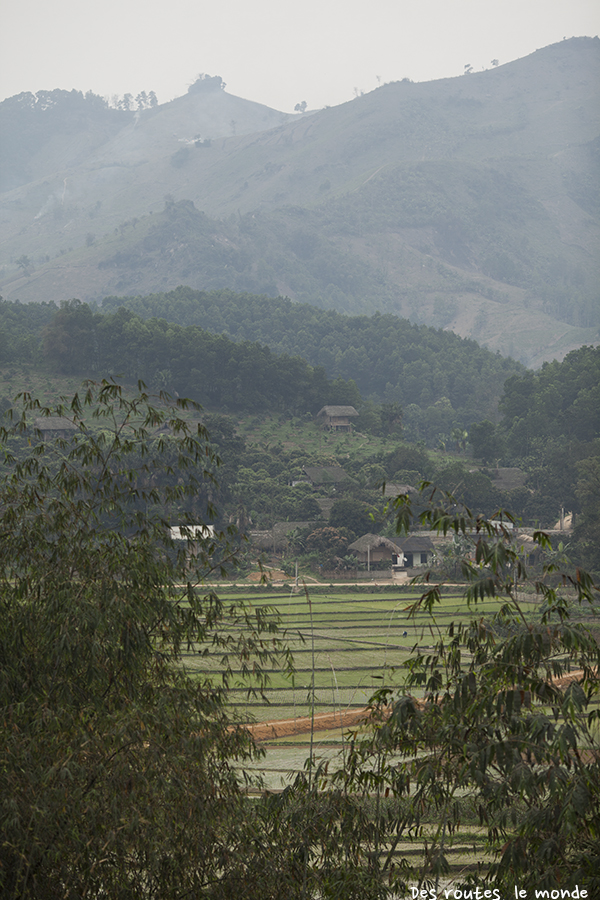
(469, 203)
(54, 133)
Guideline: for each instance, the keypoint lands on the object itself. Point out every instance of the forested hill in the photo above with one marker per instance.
(390, 359)
(221, 374)
(211, 346)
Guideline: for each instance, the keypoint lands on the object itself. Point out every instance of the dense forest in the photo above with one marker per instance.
(213, 369)
(441, 380)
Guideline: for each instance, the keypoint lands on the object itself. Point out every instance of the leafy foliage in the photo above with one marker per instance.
(116, 773)
(490, 711)
(562, 398)
(587, 530)
(117, 769)
(550, 429)
(212, 368)
(21, 327)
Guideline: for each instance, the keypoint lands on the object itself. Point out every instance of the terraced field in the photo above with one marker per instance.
(356, 643)
(347, 644)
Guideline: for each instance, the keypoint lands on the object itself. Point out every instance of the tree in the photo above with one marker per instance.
(485, 441)
(205, 83)
(360, 518)
(116, 775)
(25, 264)
(330, 541)
(587, 529)
(460, 437)
(391, 418)
(301, 107)
(501, 712)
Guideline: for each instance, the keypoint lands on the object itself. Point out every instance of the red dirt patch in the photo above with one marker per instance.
(265, 731)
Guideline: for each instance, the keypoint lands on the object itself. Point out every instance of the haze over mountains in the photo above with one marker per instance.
(469, 203)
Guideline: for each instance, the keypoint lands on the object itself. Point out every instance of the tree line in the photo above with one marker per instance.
(441, 381)
(388, 358)
(216, 371)
(550, 427)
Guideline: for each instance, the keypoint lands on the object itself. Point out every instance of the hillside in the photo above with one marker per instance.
(470, 203)
(211, 346)
(442, 381)
(57, 131)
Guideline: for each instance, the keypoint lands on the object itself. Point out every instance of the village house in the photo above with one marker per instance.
(276, 539)
(402, 552)
(372, 548)
(336, 418)
(54, 427)
(324, 476)
(413, 550)
(193, 535)
(191, 532)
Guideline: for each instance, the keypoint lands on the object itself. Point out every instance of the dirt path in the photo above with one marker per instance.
(265, 731)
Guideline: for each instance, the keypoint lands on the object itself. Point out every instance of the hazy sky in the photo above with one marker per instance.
(277, 52)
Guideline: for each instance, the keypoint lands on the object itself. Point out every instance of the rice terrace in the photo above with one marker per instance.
(355, 642)
(362, 638)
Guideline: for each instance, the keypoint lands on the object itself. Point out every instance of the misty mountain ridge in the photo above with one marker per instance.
(470, 203)
(52, 131)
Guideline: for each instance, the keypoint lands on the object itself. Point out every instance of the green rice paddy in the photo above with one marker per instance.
(360, 644)
(361, 641)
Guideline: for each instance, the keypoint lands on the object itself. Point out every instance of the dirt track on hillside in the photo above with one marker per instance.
(268, 731)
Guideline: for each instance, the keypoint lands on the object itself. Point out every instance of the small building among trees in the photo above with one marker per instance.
(194, 536)
(372, 548)
(403, 553)
(54, 427)
(414, 550)
(336, 418)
